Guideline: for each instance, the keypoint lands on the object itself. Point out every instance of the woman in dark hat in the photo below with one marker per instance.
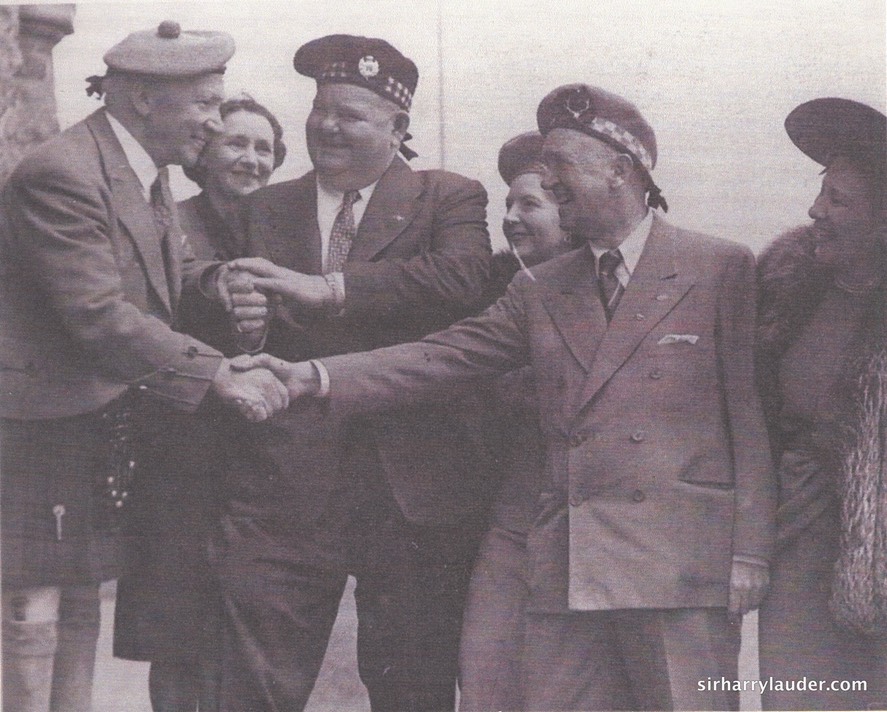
(492, 630)
(822, 341)
(167, 604)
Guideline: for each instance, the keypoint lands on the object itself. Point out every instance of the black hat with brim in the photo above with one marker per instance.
(829, 127)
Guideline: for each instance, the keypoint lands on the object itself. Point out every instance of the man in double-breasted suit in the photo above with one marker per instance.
(92, 274)
(656, 519)
(365, 252)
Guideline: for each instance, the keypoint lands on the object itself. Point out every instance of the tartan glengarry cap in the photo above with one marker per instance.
(170, 52)
(600, 114)
(364, 61)
(521, 154)
(829, 127)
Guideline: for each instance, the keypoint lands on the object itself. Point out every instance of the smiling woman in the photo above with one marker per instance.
(167, 610)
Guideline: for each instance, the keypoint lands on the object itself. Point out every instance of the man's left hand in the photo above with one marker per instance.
(748, 586)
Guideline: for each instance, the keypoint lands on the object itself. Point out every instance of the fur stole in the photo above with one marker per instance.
(791, 287)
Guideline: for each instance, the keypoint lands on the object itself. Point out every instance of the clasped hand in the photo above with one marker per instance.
(244, 285)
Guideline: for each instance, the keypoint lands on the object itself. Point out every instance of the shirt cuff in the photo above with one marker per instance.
(336, 282)
(324, 375)
(742, 558)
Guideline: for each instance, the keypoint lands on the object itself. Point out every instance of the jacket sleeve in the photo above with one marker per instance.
(450, 273)
(440, 367)
(61, 227)
(755, 509)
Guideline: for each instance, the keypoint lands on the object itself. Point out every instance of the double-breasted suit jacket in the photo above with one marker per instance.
(418, 262)
(86, 313)
(658, 470)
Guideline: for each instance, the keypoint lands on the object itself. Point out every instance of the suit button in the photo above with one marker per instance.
(191, 351)
(638, 496)
(577, 439)
(576, 500)
(655, 374)
(639, 317)
(661, 297)
(638, 436)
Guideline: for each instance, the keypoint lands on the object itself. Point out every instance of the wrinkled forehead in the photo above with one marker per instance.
(568, 144)
(203, 87)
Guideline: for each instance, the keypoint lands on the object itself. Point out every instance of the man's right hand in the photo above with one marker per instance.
(300, 379)
(258, 394)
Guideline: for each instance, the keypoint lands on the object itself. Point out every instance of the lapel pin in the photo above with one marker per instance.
(661, 297)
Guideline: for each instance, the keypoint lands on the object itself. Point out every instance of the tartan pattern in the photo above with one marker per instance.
(342, 234)
(623, 138)
(610, 287)
(399, 94)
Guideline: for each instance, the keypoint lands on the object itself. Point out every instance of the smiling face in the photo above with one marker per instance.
(531, 224)
(352, 135)
(846, 215)
(240, 158)
(180, 116)
(579, 174)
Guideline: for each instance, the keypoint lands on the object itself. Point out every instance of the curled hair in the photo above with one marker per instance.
(243, 102)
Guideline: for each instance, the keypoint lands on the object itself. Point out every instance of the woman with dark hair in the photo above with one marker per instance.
(168, 610)
(822, 341)
(492, 628)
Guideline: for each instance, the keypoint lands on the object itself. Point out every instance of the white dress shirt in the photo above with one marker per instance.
(631, 249)
(329, 204)
(137, 157)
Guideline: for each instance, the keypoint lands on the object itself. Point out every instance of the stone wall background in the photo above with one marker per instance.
(28, 34)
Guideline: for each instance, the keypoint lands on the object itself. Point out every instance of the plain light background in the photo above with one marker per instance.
(715, 79)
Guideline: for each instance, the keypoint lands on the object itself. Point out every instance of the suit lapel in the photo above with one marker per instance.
(655, 288)
(132, 209)
(293, 238)
(392, 207)
(571, 300)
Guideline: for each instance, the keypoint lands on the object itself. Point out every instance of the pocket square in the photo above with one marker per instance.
(678, 339)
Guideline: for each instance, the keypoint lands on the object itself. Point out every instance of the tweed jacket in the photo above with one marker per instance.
(418, 262)
(86, 307)
(657, 465)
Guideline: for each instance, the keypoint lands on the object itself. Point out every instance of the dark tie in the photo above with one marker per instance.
(161, 204)
(343, 233)
(610, 287)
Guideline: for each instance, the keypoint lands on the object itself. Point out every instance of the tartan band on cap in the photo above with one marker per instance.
(393, 89)
(623, 138)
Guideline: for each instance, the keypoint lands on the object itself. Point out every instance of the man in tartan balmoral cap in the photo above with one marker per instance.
(605, 116)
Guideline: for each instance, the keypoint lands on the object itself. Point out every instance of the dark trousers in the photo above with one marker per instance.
(630, 660)
(281, 587)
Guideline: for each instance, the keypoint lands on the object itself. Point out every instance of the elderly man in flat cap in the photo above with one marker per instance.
(364, 252)
(655, 523)
(92, 276)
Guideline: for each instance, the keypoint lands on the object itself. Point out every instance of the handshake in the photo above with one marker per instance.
(259, 386)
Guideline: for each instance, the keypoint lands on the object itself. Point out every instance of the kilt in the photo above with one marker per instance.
(45, 464)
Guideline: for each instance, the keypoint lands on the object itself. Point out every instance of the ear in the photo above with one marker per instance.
(401, 123)
(621, 168)
(141, 98)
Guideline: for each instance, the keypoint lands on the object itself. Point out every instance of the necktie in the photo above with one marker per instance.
(343, 233)
(161, 204)
(610, 287)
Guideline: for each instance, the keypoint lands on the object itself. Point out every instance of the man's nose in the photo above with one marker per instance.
(817, 210)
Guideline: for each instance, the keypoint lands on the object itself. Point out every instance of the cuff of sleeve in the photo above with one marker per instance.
(336, 283)
(744, 558)
(324, 376)
(206, 282)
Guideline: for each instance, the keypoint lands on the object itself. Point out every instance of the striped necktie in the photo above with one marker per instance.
(161, 204)
(611, 288)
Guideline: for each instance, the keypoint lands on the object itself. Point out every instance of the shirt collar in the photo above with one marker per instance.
(333, 198)
(632, 246)
(137, 157)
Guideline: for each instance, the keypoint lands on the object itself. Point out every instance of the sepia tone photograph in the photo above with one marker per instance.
(446, 355)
